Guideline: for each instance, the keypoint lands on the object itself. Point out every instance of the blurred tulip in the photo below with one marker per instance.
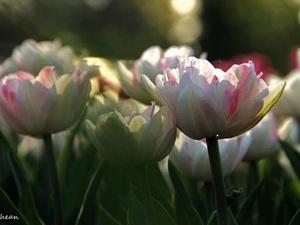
(105, 79)
(261, 62)
(264, 139)
(45, 104)
(289, 131)
(35, 146)
(288, 104)
(32, 56)
(208, 102)
(190, 156)
(139, 139)
(152, 62)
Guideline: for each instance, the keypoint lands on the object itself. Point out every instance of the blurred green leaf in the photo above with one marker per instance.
(26, 200)
(296, 219)
(190, 213)
(88, 206)
(280, 215)
(136, 213)
(292, 155)
(8, 208)
(82, 169)
(247, 206)
(107, 219)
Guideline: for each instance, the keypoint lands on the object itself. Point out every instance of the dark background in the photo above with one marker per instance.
(125, 28)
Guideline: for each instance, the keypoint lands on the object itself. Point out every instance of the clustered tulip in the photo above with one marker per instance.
(152, 62)
(45, 104)
(133, 140)
(208, 101)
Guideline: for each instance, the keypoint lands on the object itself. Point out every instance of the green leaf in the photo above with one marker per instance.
(246, 208)
(190, 213)
(213, 220)
(8, 208)
(159, 188)
(26, 200)
(296, 219)
(88, 204)
(293, 156)
(161, 212)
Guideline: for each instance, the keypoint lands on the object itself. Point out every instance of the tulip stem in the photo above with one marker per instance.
(146, 193)
(218, 180)
(57, 204)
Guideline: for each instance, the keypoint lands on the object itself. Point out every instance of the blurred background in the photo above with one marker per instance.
(123, 29)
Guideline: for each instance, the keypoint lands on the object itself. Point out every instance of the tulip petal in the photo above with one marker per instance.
(28, 102)
(242, 121)
(203, 115)
(150, 88)
(115, 136)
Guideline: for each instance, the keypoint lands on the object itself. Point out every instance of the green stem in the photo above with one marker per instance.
(142, 172)
(218, 180)
(57, 204)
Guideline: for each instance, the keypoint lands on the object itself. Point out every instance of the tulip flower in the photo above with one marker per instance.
(45, 104)
(264, 139)
(190, 157)
(210, 102)
(152, 62)
(139, 139)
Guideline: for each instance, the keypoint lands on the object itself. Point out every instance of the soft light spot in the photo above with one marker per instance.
(183, 7)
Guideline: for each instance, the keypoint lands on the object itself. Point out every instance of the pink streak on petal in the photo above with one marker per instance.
(47, 76)
(170, 76)
(24, 76)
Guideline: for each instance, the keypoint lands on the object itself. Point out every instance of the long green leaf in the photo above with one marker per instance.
(293, 156)
(247, 206)
(189, 210)
(26, 198)
(7, 208)
(296, 219)
(88, 204)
